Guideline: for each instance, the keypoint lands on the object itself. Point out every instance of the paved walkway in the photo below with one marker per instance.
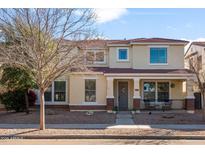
(104, 126)
(124, 118)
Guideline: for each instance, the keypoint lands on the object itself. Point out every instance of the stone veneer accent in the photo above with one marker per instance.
(110, 104)
(190, 104)
(136, 103)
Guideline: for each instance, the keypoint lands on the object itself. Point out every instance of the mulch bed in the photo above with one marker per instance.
(57, 116)
(168, 118)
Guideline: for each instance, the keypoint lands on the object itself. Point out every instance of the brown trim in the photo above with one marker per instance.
(53, 106)
(190, 104)
(110, 104)
(136, 103)
(90, 107)
(2, 109)
(107, 70)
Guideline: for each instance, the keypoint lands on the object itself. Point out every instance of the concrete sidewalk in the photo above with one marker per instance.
(104, 126)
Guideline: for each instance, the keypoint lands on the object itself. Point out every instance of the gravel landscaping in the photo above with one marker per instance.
(57, 116)
(168, 118)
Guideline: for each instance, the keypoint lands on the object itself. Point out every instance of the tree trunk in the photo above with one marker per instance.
(42, 110)
(27, 102)
(203, 106)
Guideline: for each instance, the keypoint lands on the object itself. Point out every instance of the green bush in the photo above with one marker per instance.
(14, 100)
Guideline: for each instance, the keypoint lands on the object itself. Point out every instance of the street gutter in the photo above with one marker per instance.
(135, 137)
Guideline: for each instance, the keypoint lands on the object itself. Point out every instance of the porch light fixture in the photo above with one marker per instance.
(172, 85)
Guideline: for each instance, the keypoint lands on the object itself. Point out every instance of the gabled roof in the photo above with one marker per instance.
(149, 40)
(202, 44)
(198, 43)
(100, 43)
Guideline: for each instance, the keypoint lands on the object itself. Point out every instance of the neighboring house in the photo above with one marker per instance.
(144, 73)
(196, 53)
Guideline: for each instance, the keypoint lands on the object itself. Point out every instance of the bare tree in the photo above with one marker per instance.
(44, 41)
(195, 64)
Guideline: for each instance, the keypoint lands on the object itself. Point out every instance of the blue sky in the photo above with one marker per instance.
(170, 23)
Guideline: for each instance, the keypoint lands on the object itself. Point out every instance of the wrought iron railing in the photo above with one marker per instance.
(164, 104)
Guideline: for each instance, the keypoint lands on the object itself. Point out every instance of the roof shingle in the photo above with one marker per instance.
(131, 70)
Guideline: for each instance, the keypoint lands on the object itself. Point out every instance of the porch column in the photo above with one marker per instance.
(136, 97)
(110, 95)
(190, 99)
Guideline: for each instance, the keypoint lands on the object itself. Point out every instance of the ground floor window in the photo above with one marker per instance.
(56, 92)
(59, 91)
(156, 91)
(163, 91)
(149, 91)
(48, 94)
(90, 90)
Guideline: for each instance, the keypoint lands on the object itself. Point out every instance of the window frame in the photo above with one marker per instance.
(54, 90)
(156, 88)
(117, 54)
(95, 52)
(53, 102)
(167, 50)
(90, 102)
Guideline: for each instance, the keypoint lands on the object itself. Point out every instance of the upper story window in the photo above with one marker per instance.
(123, 54)
(158, 55)
(93, 57)
(199, 62)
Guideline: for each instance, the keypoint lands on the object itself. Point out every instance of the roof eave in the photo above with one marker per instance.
(114, 45)
(167, 43)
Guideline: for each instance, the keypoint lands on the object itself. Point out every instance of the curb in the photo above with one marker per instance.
(103, 137)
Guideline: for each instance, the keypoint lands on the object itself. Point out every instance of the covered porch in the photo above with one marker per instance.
(149, 92)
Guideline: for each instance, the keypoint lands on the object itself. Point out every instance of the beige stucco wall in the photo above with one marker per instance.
(1, 105)
(77, 89)
(114, 63)
(141, 57)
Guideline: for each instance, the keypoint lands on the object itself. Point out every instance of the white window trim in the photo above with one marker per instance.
(52, 94)
(90, 103)
(117, 54)
(96, 62)
(158, 64)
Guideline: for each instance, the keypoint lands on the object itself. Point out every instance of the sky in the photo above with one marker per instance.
(123, 23)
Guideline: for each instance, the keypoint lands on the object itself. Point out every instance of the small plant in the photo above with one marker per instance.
(115, 109)
(14, 100)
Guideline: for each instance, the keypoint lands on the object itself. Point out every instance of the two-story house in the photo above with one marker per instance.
(196, 54)
(143, 73)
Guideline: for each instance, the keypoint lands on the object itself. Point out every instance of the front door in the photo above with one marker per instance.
(123, 96)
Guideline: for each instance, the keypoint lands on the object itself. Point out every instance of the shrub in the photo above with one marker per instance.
(14, 100)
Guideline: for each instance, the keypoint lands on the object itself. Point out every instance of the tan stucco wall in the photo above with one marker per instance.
(1, 105)
(141, 57)
(77, 89)
(113, 63)
(177, 91)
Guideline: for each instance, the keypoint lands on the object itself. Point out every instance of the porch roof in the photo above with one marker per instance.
(146, 71)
